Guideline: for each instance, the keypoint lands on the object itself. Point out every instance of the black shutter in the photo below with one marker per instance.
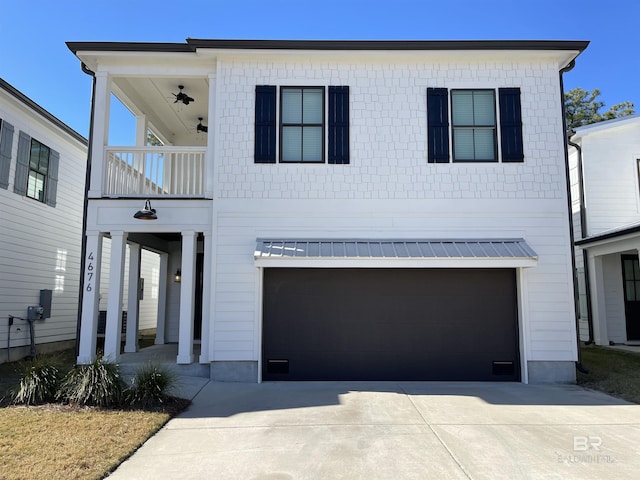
(22, 164)
(511, 125)
(52, 178)
(438, 125)
(339, 125)
(265, 127)
(6, 142)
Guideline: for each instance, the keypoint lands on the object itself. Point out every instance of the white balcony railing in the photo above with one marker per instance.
(153, 171)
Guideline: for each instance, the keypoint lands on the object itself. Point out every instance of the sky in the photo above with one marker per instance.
(35, 59)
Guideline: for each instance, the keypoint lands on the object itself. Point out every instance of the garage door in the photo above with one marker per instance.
(390, 324)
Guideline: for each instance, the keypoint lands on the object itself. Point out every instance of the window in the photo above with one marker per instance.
(36, 170)
(475, 130)
(473, 115)
(302, 124)
(6, 143)
(305, 135)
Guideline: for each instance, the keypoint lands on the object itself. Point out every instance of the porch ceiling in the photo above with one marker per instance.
(175, 123)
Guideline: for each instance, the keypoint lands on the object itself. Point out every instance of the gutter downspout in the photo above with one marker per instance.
(564, 70)
(583, 233)
(85, 208)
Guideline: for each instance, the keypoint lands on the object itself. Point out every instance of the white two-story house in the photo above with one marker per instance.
(338, 210)
(605, 165)
(42, 173)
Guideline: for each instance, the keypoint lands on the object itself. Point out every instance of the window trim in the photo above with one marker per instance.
(282, 125)
(474, 128)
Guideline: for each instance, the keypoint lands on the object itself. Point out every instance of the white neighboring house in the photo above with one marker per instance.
(42, 176)
(605, 165)
(386, 210)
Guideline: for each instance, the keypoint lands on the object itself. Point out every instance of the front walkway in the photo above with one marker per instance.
(409, 430)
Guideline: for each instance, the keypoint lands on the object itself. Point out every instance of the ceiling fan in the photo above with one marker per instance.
(182, 97)
(200, 127)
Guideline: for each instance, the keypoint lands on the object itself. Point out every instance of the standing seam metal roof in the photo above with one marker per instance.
(360, 248)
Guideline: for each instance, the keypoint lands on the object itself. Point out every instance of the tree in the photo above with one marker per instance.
(583, 108)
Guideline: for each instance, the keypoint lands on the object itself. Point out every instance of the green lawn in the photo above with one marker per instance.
(611, 371)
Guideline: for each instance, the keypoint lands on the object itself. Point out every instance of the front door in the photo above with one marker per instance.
(631, 281)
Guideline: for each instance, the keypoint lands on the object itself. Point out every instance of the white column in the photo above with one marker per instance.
(90, 299)
(162, 299)
(133, 302)
(113, 330)
(187, 297)
(101, 105)
(207, 299)
(598, 302)
(141, 130)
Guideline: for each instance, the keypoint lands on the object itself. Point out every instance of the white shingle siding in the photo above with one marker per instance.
(388, 134)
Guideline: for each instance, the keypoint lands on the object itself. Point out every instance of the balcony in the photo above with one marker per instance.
(154, 172)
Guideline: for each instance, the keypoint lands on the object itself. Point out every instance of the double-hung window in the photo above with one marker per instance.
(473, 125)
(473, 116)
(36, 170)
(313, 124)
(302, 124)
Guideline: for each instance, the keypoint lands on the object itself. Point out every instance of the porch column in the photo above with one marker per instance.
(133, 302)
(187, 298)
(141, 130)
(162, 299)
(598, 302)
(207, 298)
(101, 105)
(90, 299)
(113, 329)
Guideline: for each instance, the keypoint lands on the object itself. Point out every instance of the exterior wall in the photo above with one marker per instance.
(610, 159)
(40, 245)
(389, 190)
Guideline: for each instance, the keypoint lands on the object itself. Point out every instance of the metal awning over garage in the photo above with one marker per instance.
(430, 253)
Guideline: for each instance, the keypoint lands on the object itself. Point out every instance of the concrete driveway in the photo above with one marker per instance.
(376, 430)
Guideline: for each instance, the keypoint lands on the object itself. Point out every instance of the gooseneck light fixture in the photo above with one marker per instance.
(147, 213)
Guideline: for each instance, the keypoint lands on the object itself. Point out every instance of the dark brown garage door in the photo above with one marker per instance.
(390, 324)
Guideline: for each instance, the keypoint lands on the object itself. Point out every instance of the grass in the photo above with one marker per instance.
(71, 442)
(611, 371)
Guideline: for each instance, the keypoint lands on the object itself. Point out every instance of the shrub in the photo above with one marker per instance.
(97, 384)
(40, 378)
(151, 386)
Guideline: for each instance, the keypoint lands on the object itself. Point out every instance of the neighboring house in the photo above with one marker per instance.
(42, 176)
(605, 161)
(338, 209)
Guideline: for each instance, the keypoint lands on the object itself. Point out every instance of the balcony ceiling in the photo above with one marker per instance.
(153, 97)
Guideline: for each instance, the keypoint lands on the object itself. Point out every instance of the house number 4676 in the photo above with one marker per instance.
(89, 272)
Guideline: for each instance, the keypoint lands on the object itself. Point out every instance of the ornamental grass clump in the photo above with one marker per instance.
(96, 384)
(40, 378)
(151, 386)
